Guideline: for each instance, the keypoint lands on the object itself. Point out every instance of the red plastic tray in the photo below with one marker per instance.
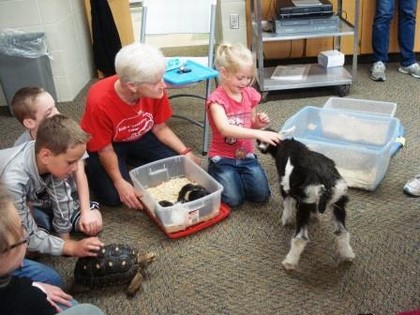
(224, 212)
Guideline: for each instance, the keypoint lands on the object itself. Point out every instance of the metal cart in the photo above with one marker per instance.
(317, 76)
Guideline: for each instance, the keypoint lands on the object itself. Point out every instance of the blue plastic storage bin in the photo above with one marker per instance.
(360, 144)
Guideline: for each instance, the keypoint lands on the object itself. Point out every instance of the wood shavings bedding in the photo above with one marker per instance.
(168, 190)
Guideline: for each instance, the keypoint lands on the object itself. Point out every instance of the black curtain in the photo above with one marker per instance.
(106, 40)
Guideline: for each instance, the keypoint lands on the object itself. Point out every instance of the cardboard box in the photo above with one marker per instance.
(331, 58)
(179, 216)
(360, 144)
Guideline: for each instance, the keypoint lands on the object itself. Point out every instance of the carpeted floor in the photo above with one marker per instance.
(234, 267)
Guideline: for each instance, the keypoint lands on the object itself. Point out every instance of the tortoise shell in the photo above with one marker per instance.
(115, 264)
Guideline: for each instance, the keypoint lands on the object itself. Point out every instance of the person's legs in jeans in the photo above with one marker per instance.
(136, 153)
(227, 174)
(43, 218)
(147, 149)
(82, 309)
(39, 273)
(380, 30)
(99, 180)
(254, 180)
(406, 31)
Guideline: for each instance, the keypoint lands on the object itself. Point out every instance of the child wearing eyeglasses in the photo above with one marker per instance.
(235, 124)
(22, 295)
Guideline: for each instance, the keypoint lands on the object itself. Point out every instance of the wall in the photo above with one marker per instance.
(224, 32)
(65, 25)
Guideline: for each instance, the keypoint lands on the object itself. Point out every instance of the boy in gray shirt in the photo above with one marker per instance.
(40, 168)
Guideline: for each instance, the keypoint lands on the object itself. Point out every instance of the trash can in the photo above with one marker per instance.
(24, 61)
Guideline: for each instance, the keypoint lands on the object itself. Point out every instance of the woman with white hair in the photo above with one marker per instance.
(126, 117)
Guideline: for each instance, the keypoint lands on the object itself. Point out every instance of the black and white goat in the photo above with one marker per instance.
(310, 184)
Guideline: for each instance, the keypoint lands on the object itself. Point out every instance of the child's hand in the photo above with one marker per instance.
(261, 120)
(86, 247)
(270, 137)
(90, 222)
(55, 295)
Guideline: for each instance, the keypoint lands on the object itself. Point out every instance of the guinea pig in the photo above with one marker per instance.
(190, 192)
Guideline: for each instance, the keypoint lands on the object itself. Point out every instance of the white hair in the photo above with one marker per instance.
(139, 63)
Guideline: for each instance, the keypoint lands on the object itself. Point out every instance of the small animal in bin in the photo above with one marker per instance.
(190, 192)
(115, 264)
(309, 184)
(166, 203)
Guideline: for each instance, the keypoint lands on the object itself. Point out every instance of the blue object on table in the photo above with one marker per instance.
(198, 73)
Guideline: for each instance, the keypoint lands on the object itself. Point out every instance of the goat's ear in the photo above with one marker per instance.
(287, 133)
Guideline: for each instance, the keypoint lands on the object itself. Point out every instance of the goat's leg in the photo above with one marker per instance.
(289, 210)
(342, 241)
(301, 238)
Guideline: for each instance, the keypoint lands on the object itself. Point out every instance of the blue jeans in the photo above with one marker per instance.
(39, 273)
(82, 309)
(44, 217)
(241, 180)
(406, 30)
(135, 153)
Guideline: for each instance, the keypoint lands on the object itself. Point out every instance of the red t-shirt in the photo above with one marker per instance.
(109, 119)
(239, 114)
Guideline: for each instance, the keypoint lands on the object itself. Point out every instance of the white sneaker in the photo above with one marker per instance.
(377, 72)
(413, 70)
(412, 187)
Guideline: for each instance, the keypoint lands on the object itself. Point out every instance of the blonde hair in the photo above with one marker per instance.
(139, 63)
(233, 57)
(59, 133)
(10, 230)
(23, 102)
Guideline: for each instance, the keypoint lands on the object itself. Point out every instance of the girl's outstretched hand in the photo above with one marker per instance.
(270, 137)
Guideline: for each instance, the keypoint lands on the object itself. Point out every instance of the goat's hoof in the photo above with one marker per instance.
(288, 223)
(288, 266)
(348, 258)
(346, 254)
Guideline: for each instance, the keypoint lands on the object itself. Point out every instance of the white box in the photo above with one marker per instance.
(331, 58)
(350, 139)
(179, 216)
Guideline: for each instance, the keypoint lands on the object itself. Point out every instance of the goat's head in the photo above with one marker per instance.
(267, 148)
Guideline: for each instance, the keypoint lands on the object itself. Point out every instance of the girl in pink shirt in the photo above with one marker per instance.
(235, 125)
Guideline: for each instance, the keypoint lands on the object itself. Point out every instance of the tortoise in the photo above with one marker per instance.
(115, 264)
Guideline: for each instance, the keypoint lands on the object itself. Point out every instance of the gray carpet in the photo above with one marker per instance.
(234, 267)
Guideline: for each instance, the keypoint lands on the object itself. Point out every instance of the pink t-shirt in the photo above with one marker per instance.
(239, 114)
(108, 119)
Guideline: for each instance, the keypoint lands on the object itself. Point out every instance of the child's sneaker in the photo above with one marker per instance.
(413, 70)
(377, 72)
(412, 187)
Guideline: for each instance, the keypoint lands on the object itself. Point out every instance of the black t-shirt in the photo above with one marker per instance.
(20, 297)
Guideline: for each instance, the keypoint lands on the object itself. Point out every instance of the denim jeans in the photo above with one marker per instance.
(82, 309)
(44, 217)
(406, 30)
(38, 272)
(135, 153)
(241, 180)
